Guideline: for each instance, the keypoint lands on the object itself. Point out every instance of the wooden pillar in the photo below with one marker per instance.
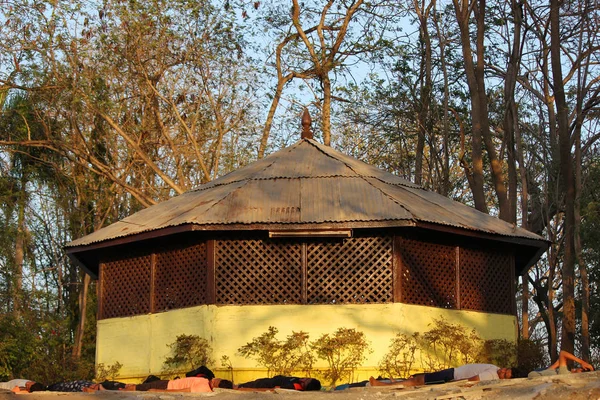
(397, 269)
(210, 271)
(458, 305)
(152, 283)
(100, 292)
(304, 273)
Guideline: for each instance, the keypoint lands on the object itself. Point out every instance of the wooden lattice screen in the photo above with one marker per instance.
(258, 272)
(357, 270)
(180, 279)
(428, 273)
(168, 279)
(125, 287)
(352, 270)
(485, 280)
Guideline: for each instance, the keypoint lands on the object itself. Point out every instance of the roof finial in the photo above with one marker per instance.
(306, 121)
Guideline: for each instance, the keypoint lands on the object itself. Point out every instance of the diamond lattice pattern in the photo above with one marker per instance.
(258, 272)
(356, 270)
(126, 287)
(428, 273)
(485, 280)
(180, 278)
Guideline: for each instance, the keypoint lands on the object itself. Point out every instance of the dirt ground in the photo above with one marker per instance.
(564, 387)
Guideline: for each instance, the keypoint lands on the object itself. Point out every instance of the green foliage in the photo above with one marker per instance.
(280, 357)
(226, 363)
(447, 345)
(500, 352)
(108, 372)
(400, 358)
(36, 348)
(189, 351)
(530, 355)
(344, 351)
(17, 347)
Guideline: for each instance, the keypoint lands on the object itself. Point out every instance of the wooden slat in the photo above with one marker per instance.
(397, 270)
(457, 277)
(153, 283)
(100, 292)
(210, 272)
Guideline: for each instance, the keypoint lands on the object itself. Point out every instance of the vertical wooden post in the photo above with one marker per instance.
(152, 283)
(100, 292)
(458, 305)
(513, 288)
(304, 272)
(210, 272)
(397, 268)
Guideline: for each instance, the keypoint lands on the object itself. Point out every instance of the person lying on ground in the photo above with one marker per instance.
(70, 386)
(22, 386)
(106, 385)
(283, 382)
(114, 385)
(189, 384)
(560, 366)
(367, 383)
(471, 372)
(200, 372)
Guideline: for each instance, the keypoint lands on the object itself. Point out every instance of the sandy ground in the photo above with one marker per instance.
(564, 387)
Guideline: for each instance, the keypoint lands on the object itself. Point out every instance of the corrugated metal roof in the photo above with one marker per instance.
(306, 183)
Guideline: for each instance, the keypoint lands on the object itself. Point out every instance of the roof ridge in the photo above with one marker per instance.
(364, 178)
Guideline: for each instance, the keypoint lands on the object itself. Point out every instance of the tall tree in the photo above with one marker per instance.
(319, 40)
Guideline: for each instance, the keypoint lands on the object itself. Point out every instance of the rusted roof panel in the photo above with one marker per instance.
(364, 169)
(305, 160)
(431, 207)
(305, 183)
(347, 199)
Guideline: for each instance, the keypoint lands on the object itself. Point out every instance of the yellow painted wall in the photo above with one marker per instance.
(140, 342)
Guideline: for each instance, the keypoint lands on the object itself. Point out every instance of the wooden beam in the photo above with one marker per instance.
(211, 287)
(397, 269)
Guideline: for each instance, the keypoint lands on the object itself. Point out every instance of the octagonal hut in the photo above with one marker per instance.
(306, 239)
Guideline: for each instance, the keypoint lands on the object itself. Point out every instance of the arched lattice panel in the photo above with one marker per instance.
(126, 287)
(180, 278)
(258, 272)
(356, 270)
(485, 280)
(428, 273)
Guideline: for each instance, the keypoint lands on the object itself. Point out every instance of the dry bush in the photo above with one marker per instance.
(400, 358)
(344, 351)
(280, 357)
(108, 372)
(448, 345)
(188, 352)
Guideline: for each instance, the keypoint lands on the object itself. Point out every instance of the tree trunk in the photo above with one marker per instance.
(20, 243)
(326, 123)
(82, 315)
(463, 13)
(568, 184)
(510, 112)
(425, 92)
(445, 187)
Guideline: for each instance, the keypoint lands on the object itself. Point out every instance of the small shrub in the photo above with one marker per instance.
(189, 352)
(500, 352)
(108, 372)
(226, 363)
(448, 345)
(343, 351)
(530, 355)
(280, 357)
(400, 358)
